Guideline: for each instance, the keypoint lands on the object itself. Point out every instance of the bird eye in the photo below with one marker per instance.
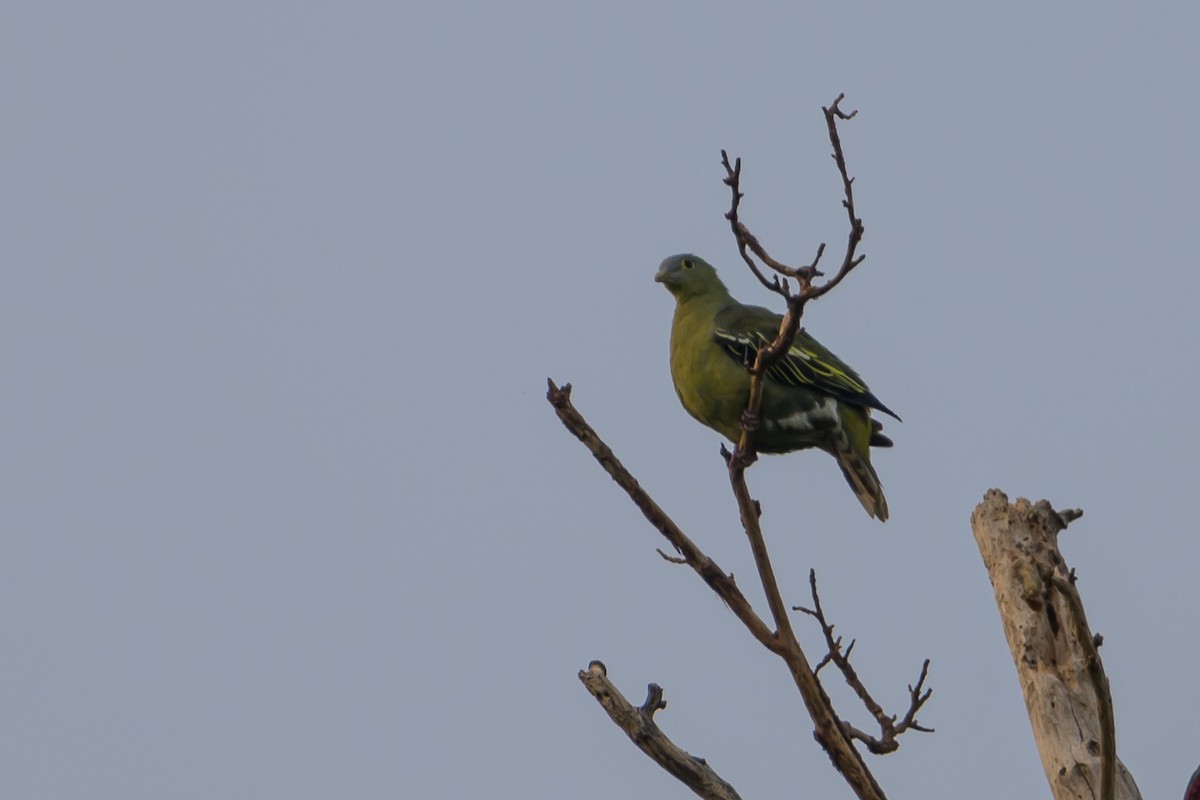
(686, 263)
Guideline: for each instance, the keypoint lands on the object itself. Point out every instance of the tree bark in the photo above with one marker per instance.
(639, 725)
(1058, 666)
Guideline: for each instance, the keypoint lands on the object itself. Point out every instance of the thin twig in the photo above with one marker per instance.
(748, 241)
(671, 558)
(805, 276)
(832, 114)
(889, 729)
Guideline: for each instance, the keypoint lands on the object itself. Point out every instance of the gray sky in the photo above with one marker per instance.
(285, 513)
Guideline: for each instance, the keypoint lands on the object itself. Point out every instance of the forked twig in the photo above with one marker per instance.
(805, 276)
(889, 728)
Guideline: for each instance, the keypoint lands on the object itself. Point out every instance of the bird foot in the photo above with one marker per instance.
(750, 422)
(740, 459)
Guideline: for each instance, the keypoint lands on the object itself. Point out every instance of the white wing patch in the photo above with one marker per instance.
(822, 416)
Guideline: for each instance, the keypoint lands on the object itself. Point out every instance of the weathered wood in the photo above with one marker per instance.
(638, 724)
(1059, 669)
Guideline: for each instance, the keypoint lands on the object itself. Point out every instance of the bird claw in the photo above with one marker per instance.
(750, 422)
(740, 459)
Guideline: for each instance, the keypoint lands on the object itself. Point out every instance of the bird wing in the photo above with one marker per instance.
(742, 331)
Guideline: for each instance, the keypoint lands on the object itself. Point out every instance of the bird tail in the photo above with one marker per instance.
(865, 483)
(852, 451)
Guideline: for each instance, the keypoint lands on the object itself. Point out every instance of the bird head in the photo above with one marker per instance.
(686, 275)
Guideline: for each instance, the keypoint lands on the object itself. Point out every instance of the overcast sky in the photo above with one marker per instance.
(285, 512)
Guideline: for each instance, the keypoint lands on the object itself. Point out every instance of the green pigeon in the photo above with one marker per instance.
(811, 398)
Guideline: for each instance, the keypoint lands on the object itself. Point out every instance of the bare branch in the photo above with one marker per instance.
(916, 699)
(830, 732)
(849, 261)
(705, 567)
(639, 725)
(833, 734)
(748, 241)
(805, 276)
(889, 729)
